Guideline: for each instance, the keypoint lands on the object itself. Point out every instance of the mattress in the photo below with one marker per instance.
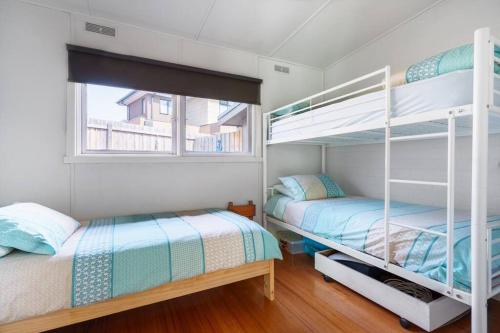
(358, 222)
(106, 258)
(441, 92)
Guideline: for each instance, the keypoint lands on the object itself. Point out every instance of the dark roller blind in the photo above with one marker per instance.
(94, 66)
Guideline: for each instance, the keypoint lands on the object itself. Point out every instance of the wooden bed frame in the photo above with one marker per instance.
(162, 293)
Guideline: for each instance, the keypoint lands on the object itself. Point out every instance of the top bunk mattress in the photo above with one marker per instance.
(441, 92)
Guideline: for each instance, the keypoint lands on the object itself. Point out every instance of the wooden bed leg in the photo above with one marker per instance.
(269, 282)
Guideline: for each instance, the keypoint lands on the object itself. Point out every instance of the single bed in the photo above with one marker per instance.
(441, 92)
(112, 264)
(358, 222)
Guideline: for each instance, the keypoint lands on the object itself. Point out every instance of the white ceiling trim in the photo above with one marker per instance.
(300, 27)
(205, 19)
(384, 34)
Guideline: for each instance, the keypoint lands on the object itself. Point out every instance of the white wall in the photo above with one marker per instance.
(447, 25)
(360, 170)
(33, 73)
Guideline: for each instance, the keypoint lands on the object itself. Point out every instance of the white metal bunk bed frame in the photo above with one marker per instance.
(481, 231)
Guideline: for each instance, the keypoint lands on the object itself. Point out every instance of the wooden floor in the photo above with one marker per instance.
(304, 303)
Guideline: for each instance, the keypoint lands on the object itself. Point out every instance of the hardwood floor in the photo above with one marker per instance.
(304, 303)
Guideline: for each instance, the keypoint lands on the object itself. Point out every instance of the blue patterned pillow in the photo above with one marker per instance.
(312, 187)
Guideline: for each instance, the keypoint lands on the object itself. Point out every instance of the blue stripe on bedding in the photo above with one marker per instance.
(350, 221)
(122, 255)
(92, 267)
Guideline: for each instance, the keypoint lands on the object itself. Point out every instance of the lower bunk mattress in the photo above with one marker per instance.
(110, 257)
(358, 222)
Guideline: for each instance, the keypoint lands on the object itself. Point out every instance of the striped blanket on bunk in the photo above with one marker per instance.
(358, 223)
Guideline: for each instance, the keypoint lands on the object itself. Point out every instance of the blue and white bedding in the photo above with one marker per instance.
(358, 222)
(110, 257)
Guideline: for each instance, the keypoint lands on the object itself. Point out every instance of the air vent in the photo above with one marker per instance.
(282, 69)
(100, 29)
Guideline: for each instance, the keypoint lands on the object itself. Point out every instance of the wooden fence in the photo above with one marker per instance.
(120, 136)
(222, 143)
(115, 135)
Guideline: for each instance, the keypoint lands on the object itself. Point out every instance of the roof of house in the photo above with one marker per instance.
(134, 95)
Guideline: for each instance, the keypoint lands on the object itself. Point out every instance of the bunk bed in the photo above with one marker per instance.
(369, 109)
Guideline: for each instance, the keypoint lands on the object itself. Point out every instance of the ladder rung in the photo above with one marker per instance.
(437, 233)
(497, 60)
(494, 275)
(495, 241)
(420, 136)
(497, 76)
(417, 182)
(496, 92)
(495, 108)
(495, 258)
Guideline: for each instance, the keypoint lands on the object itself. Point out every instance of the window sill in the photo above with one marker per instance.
(131, 158)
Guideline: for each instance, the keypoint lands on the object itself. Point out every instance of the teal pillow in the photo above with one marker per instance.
(311, 187)
(34, 228)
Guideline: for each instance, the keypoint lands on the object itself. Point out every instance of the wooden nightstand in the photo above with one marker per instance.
(245, 210)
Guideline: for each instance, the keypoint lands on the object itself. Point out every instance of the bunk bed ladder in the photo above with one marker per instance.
(449, 184)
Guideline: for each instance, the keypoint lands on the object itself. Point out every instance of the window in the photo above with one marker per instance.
(117, 120)
(165, 106)
(211, 129)
(114, 120)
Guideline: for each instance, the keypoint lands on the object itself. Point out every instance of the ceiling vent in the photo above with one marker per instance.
(282, 69)
(100, 29)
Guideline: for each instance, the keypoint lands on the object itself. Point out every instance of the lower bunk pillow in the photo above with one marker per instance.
(311, 187)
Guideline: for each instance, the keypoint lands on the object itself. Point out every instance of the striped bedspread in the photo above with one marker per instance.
(109, 257)
(358, 222)
(122, 255)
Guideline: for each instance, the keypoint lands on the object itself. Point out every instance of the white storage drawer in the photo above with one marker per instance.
(428, 316)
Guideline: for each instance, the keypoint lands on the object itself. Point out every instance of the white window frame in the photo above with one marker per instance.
(76, 154)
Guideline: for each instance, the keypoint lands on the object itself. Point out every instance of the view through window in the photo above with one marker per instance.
(212, 128)
(135, 121)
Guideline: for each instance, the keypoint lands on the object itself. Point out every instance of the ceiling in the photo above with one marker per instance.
(310, 32)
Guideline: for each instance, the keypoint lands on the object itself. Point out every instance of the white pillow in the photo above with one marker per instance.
(4, 251)
(283, 190)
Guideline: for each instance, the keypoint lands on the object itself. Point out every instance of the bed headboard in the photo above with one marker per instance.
(247, 210)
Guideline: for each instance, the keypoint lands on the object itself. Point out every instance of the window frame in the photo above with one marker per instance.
(75, 152)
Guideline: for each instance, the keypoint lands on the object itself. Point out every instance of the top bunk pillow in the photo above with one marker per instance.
(34, 228)
(312, 187)
(459, 58)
